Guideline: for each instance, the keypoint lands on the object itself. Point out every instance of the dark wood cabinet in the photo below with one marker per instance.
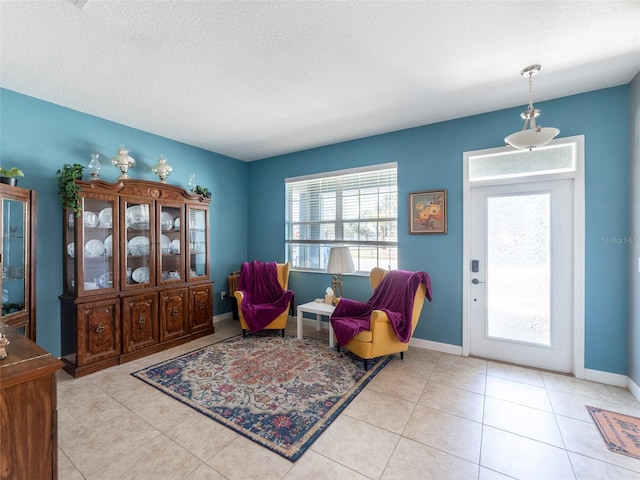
(99, 335)
(201, 303)
(18, 258)
(140, 330)
(174, 314)
(133, 262)
(28, 410)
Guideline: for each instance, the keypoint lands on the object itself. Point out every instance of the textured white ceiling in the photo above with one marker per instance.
(261, 78)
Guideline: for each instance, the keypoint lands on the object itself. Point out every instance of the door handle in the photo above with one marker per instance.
(475, 281)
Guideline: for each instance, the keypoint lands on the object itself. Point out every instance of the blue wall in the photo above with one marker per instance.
(634, 234)
(430, 157)
(248, 201)
(39, 137)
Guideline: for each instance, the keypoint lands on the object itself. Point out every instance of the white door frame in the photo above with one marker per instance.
(578, 247)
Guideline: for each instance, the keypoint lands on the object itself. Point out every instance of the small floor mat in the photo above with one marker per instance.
(620, 432)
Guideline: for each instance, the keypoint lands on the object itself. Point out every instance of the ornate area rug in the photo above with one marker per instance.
(621, 433)
(279, 392)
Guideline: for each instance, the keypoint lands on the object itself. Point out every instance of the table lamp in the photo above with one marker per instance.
(340, 262)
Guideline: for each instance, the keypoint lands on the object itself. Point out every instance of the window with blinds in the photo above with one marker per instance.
(357, 208)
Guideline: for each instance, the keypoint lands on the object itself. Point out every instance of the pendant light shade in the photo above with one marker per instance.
(531, 136)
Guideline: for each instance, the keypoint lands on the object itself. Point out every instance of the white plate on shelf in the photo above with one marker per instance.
(94, 248)
(138, 217)
(104, 217)
(105, 280)
(175, 246)
(139, 245)
(166, 221)
(90, 219)
(176, 223)
(108, 245)
(165, 243)
(70, 249)
(141, 275)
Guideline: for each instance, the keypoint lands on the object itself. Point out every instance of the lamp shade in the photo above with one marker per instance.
(340, 260)
(531, 137)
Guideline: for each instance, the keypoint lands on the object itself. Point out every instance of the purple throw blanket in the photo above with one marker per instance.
(264, 299)
(394, 296)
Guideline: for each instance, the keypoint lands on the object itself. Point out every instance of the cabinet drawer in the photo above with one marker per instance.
(139, 322)
(98, 332)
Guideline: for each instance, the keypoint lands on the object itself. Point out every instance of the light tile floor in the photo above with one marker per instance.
(429, 416)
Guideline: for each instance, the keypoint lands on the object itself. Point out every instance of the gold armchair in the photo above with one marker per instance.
(379, 338)
(280, 322)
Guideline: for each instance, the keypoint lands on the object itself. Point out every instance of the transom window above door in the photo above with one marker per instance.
(357, 208)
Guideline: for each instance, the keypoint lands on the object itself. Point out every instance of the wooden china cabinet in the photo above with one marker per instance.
(18, 258)
(136, 273)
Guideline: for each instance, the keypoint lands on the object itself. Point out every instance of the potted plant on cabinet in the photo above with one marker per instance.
(68, 189)
(9, 176)
(204, 191)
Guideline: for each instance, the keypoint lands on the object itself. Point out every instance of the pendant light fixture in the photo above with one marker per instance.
(531, 136)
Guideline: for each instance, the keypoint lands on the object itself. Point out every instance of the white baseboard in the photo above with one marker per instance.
(633, 388)
(606, 378)
(436, 346)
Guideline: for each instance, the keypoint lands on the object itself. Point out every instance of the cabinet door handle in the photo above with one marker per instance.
(141, 319)
(201, 307)
(100, 328)
(175, 312)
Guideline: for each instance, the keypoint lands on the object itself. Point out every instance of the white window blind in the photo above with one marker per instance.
(357, 208)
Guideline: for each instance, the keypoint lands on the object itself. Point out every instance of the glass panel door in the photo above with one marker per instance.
(521, 293)
(14, 256)
(171, 261)
(519, 268)
(198, 243)
(96, 256)
(136, 245)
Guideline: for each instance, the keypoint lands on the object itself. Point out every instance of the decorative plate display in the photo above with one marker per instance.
(94, 248)
(176, 223)
(108, 245)
(104, 217)
(90, 219)
(141, 275)
(175, 246)
(139, 245)
(165, 243)
(106, 280)
(70, 249)
(166, 221)
(138, 217)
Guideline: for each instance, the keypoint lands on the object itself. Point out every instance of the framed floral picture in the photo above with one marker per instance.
(428, 212)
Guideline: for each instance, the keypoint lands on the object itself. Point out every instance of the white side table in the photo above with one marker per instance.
(320, 309)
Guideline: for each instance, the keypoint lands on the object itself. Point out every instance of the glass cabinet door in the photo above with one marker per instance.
(198, 237)
(14, 256)
(172, 265)
(137, 241)
(95, 254)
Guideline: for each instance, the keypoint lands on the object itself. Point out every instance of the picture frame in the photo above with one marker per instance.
(428, 212)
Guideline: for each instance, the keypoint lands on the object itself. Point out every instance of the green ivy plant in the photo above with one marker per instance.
(68, 189)
(204, 191)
